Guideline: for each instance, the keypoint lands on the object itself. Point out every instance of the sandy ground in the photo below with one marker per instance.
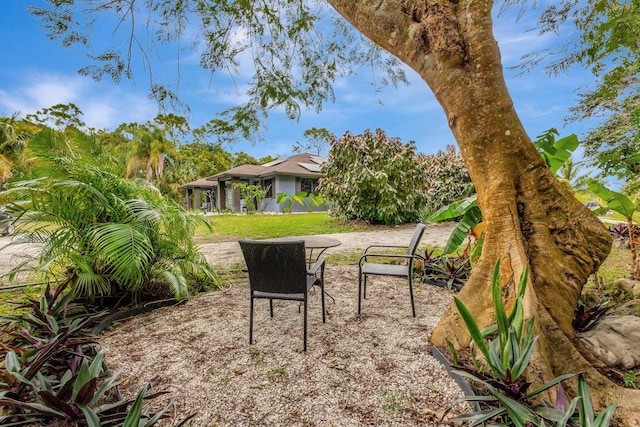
(373, 369)
(369, 369)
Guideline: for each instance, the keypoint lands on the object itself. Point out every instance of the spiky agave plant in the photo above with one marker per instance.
(106, 234)
(507, 353)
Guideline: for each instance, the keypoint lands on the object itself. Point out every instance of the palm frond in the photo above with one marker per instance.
(125, 250)
(177, 282)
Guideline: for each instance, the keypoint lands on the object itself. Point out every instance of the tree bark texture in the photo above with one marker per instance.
(530, 217)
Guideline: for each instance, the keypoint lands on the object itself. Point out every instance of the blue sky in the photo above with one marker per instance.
(36, 73)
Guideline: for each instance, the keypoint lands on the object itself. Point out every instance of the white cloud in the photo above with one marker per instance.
(35, 91)
(104, 105)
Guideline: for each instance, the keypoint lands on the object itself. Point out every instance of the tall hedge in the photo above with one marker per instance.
(373, 178)
(446, 178)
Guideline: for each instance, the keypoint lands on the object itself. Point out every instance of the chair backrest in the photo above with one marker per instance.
(415, 239)
(278, 267)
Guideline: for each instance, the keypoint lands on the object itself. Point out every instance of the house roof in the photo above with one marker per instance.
(304, 165)
(200, 183)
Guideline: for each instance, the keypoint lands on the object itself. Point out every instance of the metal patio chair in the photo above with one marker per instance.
(367, 268)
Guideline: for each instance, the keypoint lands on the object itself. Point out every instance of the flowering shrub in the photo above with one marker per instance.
(446, 178)
(374, 178)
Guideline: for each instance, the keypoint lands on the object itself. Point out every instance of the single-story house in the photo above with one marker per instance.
(199, 194)
(291, 175)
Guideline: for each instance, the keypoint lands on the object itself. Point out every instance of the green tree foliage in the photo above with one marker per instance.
(108, 235)
(252, 194)
(374, 178)
(318, 141)
(204, 159)
(571, 174)
(62, 116)
(242, 158)
(632, 187)
(607, 42)
(614, 146)
(294, 61)
(446, 178)
(176, 126)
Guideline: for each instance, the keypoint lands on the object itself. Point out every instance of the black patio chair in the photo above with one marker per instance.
(278, 270)
(366, 268)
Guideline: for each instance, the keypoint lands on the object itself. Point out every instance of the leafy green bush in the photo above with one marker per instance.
(107, 236)
(504, 391)
(288, 199)
(373, 178)
(446, 178)
(53, 374)
(252, 196)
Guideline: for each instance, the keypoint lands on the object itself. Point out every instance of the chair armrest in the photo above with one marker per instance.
(385, 246)
(374, 255)
(319, 264)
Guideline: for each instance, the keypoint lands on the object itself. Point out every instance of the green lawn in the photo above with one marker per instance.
(229, 227)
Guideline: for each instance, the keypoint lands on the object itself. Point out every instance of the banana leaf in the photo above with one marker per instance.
(614, 200)
(453, 210)
(471, 218)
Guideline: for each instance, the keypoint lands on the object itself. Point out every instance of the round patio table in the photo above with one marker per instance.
(312, 243)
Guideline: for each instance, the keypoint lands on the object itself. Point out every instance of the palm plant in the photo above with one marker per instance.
(106, 235)
(148, 152)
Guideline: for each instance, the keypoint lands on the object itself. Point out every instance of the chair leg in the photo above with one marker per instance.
(413, 307)
(359, 291)
(324, 319)
(251, 321)
(271, 306)
(364, 295)
(305, 324)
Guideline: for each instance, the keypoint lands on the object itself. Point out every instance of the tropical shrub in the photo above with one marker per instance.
(107, 236)
(450, 272)
(373, 178)
(446, 178)
(313, 200)
(252, 194)
(555, 152)
(503, 389)
(586, 317)
(53, 374)
(11, 150)
(468, 215)
(623, 205)
(289, 199)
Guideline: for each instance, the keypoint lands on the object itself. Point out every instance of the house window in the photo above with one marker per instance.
(308, 185)
(267, 185)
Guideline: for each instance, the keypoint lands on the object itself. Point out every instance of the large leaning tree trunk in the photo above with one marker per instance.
(530, 218)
